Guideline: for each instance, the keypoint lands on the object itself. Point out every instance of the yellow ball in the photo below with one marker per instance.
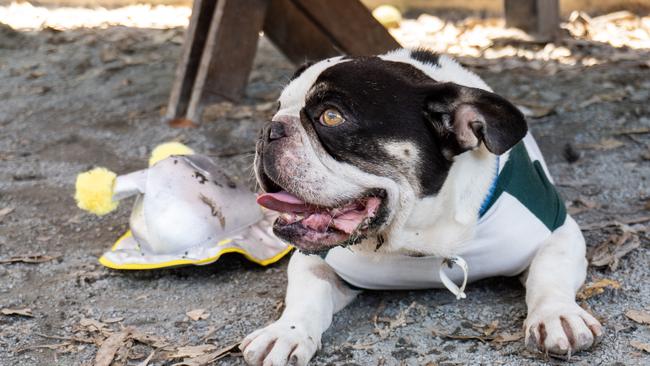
(94, 191)
(168, 149)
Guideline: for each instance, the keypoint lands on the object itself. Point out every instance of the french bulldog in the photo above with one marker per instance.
(405, 171)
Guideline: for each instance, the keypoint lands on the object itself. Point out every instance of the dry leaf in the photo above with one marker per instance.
(481, 338)
(112, 320)
(581, 204)
(400, 319)
(22, 312)
(488, 330)
(639, 316)
(5, 212)
(92, 324)
(55, 346)
(208, 359)
(635, 131)
(198, 314)
(147, 360)
(536, 111)
(604, 144)
(610, 223)
(109, 348)
(497, 339)
(151, 340)
(363, 346)
(35, 258)
(611, 96)
(640, 346)
(193, 351)
(266, 107)
(72, 339)
(182, 123)
(595, 288)
(216, 111)
(508, 337)
(279, 306)
(242, 112)
(614, 248)
(123, 352)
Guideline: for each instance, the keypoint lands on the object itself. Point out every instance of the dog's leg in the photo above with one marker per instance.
(314, 294)
(555, 323)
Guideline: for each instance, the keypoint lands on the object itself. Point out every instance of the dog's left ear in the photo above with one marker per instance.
(468, 116)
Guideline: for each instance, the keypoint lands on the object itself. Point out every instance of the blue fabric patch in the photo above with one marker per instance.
(486, 202)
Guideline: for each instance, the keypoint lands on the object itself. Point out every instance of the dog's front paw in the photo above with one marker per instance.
(561, 329)
(281, 343)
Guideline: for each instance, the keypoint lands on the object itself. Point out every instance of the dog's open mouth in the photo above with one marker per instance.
(314, 228)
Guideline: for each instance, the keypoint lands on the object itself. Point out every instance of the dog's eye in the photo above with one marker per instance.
(331, 117)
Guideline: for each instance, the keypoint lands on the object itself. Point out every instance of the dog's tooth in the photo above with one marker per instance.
(286, 217)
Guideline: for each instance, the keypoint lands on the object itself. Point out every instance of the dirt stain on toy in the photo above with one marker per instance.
(202, 179)
(214, 210)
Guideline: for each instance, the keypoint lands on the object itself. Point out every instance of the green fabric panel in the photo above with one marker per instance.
(526, 181)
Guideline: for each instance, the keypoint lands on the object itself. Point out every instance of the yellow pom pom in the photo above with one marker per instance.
(94, 191)
(168, 149)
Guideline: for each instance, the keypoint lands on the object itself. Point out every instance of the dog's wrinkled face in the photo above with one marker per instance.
(356, 140)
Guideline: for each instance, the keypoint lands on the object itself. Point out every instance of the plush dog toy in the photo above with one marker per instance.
(186, 211)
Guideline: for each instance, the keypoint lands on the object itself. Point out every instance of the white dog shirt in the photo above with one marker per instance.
(521, 211)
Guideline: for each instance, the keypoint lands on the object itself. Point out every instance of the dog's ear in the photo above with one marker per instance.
(466, 116)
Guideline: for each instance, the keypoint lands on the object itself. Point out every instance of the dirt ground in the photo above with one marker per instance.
(81, 98)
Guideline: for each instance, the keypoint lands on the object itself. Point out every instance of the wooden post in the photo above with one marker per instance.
(221, 42)
(188, 64)
(350, 25)
(228, 54)
(295, 34)
(540, 18)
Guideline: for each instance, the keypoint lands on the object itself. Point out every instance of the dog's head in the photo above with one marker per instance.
(357, 140)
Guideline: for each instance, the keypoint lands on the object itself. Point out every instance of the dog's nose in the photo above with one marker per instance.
(276, 131)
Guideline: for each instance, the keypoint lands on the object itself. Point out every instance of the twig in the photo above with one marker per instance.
(48, 346)
(615, 222)
(73, 339)
(636, 131)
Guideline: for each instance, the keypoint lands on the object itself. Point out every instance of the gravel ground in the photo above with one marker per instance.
(75, 99)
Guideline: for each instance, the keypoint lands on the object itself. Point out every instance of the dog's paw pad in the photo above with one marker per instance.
(561, 329)
(279, 344)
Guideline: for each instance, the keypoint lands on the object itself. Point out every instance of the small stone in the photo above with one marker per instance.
(387, 15)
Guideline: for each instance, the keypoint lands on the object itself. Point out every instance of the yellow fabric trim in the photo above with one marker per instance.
(119, 240)
(184, 262)
(224, 242)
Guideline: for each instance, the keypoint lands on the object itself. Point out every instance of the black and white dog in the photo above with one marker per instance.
(404, 171)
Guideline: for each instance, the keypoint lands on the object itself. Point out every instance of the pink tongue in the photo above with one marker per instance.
(318, 221)
(282, 202)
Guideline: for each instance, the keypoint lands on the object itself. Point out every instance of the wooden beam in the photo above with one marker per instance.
(222, 37)
(228, 54)
(350, 25)
(188, 65)
(540, 18)
(295, 34)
